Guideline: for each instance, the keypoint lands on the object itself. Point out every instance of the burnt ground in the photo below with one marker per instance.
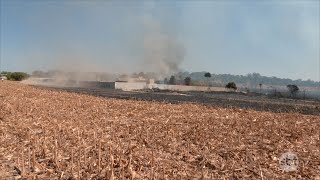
(218, 99)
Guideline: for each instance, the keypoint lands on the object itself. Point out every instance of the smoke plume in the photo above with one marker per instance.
(162, 53)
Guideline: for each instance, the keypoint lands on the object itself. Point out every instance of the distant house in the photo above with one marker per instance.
(3, 78)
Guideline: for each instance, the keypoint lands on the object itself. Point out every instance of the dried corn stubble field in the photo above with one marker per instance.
(50, 135)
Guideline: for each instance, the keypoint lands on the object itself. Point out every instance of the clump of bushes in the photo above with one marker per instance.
(231, 85)
(293, 89)
(172, 80)
(187, 81)
(16, 76)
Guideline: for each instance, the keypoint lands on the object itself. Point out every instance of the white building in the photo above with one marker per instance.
(3, 78)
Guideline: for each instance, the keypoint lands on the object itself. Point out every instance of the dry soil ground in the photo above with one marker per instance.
(46, 134)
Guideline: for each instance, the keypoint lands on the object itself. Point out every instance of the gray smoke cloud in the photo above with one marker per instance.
(163, 53)
(107, 37)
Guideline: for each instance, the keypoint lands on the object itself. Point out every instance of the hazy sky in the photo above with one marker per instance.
(275, 38)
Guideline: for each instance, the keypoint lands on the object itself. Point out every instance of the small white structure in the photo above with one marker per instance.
(132, 86)
(3, 78)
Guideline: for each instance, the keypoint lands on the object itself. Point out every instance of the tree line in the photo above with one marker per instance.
(252, 80)
(292, 88)
(14, 76)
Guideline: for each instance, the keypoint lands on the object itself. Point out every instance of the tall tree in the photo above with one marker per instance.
(207, 75)
(187, 81)
(260, 85)
(172, 80)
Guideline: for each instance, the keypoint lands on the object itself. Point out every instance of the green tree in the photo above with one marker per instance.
(207, 75)
(231, 85)
(172, 80)
(260, 85)
(187, 81)
(293, 89)
(17, 76)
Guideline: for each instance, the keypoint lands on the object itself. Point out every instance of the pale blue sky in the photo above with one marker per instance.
(275, 38)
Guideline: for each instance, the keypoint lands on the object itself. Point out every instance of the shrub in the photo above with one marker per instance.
(172, 80)
(231, 85)
(187, 81)
(17, 76)
(293, 89)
